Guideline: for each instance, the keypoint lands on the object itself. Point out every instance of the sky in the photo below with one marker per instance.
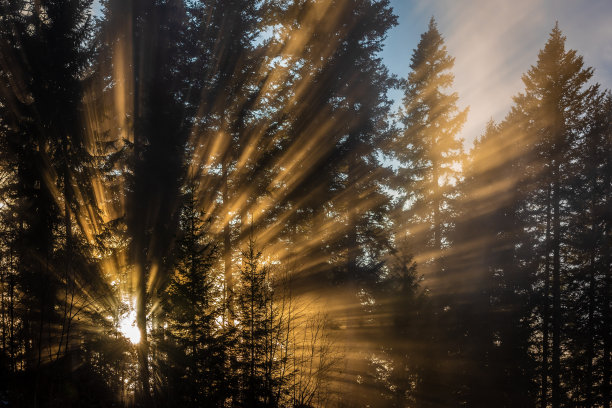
(495, 41)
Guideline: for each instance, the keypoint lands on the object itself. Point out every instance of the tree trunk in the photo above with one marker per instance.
(591, 308)
(227, 249)
(12, 323)
(67, 260)
(545, 309)
(140, 258)
(437, 228)
(556, 283)
(607, 294)
(3, 309)
(351, 243)
(607, 327)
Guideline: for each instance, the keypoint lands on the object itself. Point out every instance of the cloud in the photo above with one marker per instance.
(495, 41)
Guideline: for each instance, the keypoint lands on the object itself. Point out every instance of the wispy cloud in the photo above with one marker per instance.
(496, 41)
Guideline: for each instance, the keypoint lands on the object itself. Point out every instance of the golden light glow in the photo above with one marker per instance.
(128, 327)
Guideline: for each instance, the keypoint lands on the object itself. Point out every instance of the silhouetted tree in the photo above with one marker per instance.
(494, 261)
(150, 65)
(429, 155)
(46, 64)
(428, 149)
(259, 332)
(588, 263)
(554, 103)
(191, 340)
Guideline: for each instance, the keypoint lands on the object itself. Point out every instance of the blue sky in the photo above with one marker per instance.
(495, 41)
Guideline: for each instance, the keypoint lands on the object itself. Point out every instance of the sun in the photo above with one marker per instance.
(128, 327)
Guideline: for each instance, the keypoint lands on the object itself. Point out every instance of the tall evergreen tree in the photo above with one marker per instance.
(338, 121)
(494, 261)
(191, 340)
(36, 139)
(554, 103)
(536, 247)
(150, 66)
(46, 64)
(428, 149)
(258, 333)
(429, 155)
(588, 263)
(229, 72)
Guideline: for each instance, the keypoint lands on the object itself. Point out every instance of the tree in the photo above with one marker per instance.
(554, 103)
(151, 71)
(429, 157)
(428, 149)
(228, 76)
(532, 225)
(46, 58)
(402, 309)
(191, 342)
(588, 263)
(494, 263)
(259, 332)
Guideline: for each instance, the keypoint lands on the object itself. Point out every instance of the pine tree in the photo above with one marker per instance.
(588, 264)
(428, 149)
(191, 339)
(46, 65)
(151, 64)
(228, 74)
(258, 332)
(402, 312)
(339, 156)
(494, 263)
(429, 154)
(44, 142)
(554, 103)
(606, 260)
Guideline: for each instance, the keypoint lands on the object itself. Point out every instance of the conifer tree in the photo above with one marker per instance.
(589, 263)
(536, 240)
(496, 304)
(193, 343)
(342, 172)
(427, 148)
(429, 155)
(46, 64)
(152, 73)
(43, 127)
(554, 103)
(228, 70)
(259, 334)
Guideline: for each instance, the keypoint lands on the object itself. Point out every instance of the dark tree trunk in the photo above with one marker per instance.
(545, 309)
(227, 249)
(556, 288)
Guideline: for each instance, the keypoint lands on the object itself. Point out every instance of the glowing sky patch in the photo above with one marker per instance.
(128, 327)
(495, 41)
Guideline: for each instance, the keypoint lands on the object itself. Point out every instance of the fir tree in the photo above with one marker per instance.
(428, 149)
(554, 103)
(429, 155)
(496, 300)
(191, 338)
(258, 332)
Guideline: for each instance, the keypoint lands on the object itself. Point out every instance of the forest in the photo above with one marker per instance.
(215, 203)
